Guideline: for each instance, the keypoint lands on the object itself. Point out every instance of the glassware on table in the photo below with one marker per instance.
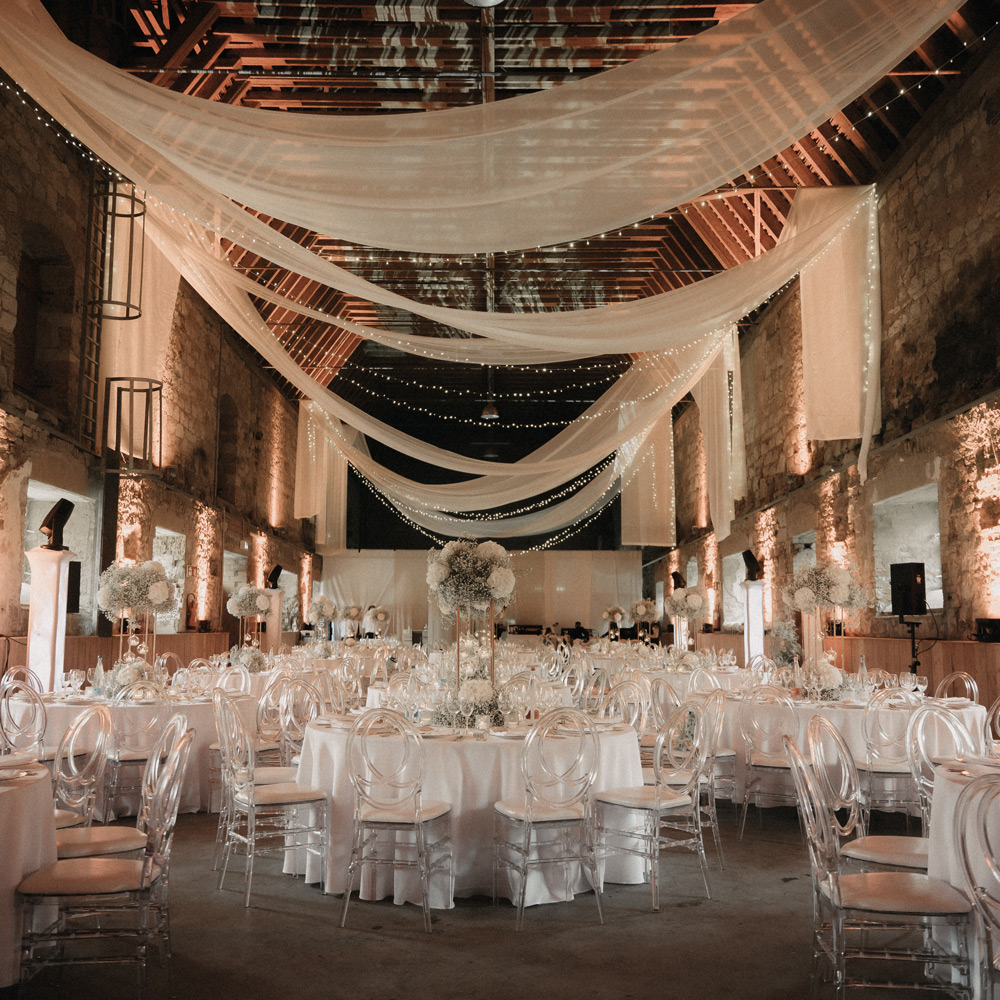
(75, 679)
(921, 681)
(467, 707)
(908, 681)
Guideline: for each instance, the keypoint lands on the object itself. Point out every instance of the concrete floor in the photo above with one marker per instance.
(751, 941)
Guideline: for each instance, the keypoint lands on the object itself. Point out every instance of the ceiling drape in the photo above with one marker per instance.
(536, 170)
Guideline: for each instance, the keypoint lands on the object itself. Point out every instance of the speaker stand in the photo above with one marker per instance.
(912, 626)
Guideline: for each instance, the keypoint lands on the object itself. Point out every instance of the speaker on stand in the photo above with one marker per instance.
(909, 597)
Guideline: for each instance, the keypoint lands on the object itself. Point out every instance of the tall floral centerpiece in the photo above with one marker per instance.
(352, 615)
(614, 616)
(133, 595)
(321, 610)
(686, 606)
(825, 587)
(380, 616)
(643, 611)
(249, 604)
(474, 580)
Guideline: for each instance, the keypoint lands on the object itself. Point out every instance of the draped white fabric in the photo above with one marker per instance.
(536, 170)
(841, 306)
(720, 407)
(138, 347)
(648, 513)
(321, 484)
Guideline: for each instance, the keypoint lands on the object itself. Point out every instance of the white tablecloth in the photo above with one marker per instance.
(27, 843)
(196, 793)
(847, 717)
(944, 861)
(472, 776)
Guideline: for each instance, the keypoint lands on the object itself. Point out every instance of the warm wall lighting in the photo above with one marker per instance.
(133, 514)
(206, 547)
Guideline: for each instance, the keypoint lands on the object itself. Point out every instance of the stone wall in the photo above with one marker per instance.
(939, 234)
(45, 188)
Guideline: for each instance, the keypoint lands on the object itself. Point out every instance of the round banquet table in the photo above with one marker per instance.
(943, 858)
(196, 793)
(27, 842)
(848, 717)
(472, 775)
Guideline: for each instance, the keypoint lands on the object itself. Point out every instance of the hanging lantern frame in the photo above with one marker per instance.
(137, 420)
(122, 249)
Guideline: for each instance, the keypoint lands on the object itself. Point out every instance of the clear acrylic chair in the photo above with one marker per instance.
(886, 781)
(958, 684)
(598, 685)
(23, 674)
(627, 701)
(139, 712)
(934, 734)
(766, 716)
(298, 705)
(108, 909)
(702, 681)
(876, 917)
(332, 692)
(78, 767)
(663, 700)
(837, 773)
(119, 841)
(235, 680)
(552, 824)
(991, 730)
(977, 834)
(385, 760)
(22, 719)
(263, 819)
(646, 820)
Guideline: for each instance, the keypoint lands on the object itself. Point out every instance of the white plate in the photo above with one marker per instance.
(509, 734)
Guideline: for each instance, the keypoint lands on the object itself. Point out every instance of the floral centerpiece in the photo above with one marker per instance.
(687, 603)
(380, 616)
(136, 592)
(249, 602)
(477, 697)
(126, 672)
(250, 657)
(469, 578)
(643, 610)
(352, 614)
(822, 679)
(321, 609)
(614, 615)
(825, 585)
(786, 646)
(321, 649)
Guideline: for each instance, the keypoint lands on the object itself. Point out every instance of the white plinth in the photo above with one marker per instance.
(270, 641)
(753, 619)
(47, 614)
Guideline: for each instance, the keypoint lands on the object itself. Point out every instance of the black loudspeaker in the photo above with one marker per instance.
(73, 590)
(909, 596)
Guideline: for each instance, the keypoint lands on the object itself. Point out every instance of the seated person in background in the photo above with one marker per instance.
(654, 633)
(551, 634)
(578, 632)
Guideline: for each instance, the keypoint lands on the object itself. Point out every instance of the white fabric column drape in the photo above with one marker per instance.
(720, 408)
(320, 484)
(648, 513)
(841, 328)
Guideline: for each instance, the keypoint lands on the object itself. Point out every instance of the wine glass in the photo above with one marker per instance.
(466, 705)
(921, 682)
(75, 679)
